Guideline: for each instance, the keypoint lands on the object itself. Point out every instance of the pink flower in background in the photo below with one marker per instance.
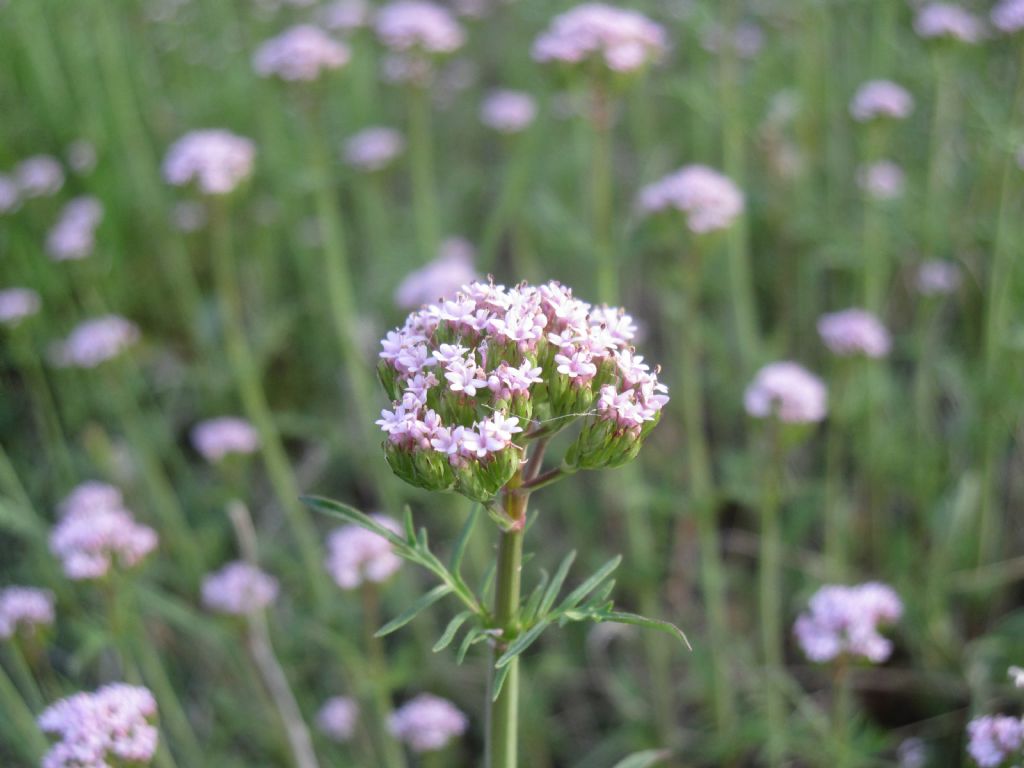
(337, 718)
(373, 148)
(709, 199)
(16, 304)
(239, 588)
(356, 555)
(622, 40)
(217, 161)
(948, 21)
(427, 723)
(846, 620)
(96, 341)
(882, 180)
(302, 53)
(216, 438)
(439, 279)
(994, 739)
(345, 15)
(74, 235)
(418, 26)
(39, 176)
(25, 608)
(96, 532)
(854, 332)
(10, 194)
(937, 278)
(788, 392)
(113, 725)
(881, 98)
(1008, 16)
(508, 111)
(81, 156)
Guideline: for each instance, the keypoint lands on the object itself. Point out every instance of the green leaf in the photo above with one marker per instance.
(413, 610)
(590, 584)
(521, 643)
(644, 759)
(410, 529)
(449, 631)
(530, 610)
(460, 544)
(556, 583)
(499, 682)
(622, 617)
(474, 636)
(352, 515)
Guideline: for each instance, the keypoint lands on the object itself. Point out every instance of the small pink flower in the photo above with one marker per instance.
(427, 723)
(709, 199)
(845, 621)
(882, 180)
(39, 176)
(356, 555)
(16, 304)
(337, 718)
(854, 331)
(26, 608)
(881, 98)
(373, 149)
(96, 341)
(302, 53)
(217, 438)
(508, 111)
(217, 161)
(239, 588)
(948, 21)
(787, 391)
(1008, 16)
(621, 40)
(419, 26)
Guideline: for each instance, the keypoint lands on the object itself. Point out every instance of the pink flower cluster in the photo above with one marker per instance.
(622, 40)
(345, 15)
(96, 531)
(373, 149)
(24, 607)
(441, 278)
(220, 437)
(301, 53)
(993, 740)
(337, 718)
(845, 621)
(788, 392)
(710, 200)
(16, 304)
(39, 176)
(1008, 16)
(937, 278)
(96, 341)
(882, 180)
(467, 372)
(113, 725)
(216, 160)
(854, 332)
(74, 235)
(239, 588)
(508, 111)
(356, 555)
(418, 26)
(427, 723)
(948, 21)
(881, 98)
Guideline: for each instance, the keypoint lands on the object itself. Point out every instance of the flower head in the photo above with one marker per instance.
(617, 39)
(467, 375)
(845, 621)
(508, 111)
(345, 15)
(337, 718)
(788, 392)
(709, 200)
(1008, 16)
(96, 532)
(74, 235)
(24, 608)
(113, 725)
(854, 332)
(217, 438)
(16, 304)
(441, 278)
(39, 176)
(239, 588)
(427, 723)
(418, 26)
(302, 53)
(373, 149)
(356, 555)
(96, 341)
(882, 180)
(217, 161)
(937, 278)
(881, 98)
(947, 21)
(993, 739)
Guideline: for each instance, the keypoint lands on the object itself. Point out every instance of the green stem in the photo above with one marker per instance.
(515, 179)
(770, 583)
(30, 741)
(388, 750)
(424, 191)
(942, 159)
(23, 673)
(843, 712)
(602, 194)
(837, 522)
(874, 257)
(254, 401)
(503, 711)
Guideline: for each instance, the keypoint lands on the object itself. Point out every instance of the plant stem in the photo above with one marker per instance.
(770, 601)
(601, 189)
(874, 258)
(843, 711)
(255, 404)
(503, 712)
(424, 191)
(837, 522)
(22, 671)
(30, 741)
(388, 750)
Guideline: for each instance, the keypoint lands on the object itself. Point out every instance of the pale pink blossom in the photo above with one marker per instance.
(239, 588)
(427, 723)
(74, 235)
(374, 148)
(882, 180)
(845, 621)
(16, 304)
(418, 26)
(619, 39)
(220, 437)
(338, 717)
(709, 200)
(1008, 16)
(345, 15)
(994, 739)
(854, 332)
(508, 111)
(301, 53)
(356, 555)
(439, 279)
(948, 21)
(25, 609)
(881, 98)
(937, 278)
(788, 392)
(39, 176)
(217, 161)
(96, 341)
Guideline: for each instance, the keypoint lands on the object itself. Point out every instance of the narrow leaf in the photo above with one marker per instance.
(622, 617)
(410, 529)
(644, 759)
(449, 631)
(590, 584)
(351, 515)
(413, 610)
(474, 636)
(522, 642)
(556, 583)
(463, 540)
(529, 612)
(499, 682)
